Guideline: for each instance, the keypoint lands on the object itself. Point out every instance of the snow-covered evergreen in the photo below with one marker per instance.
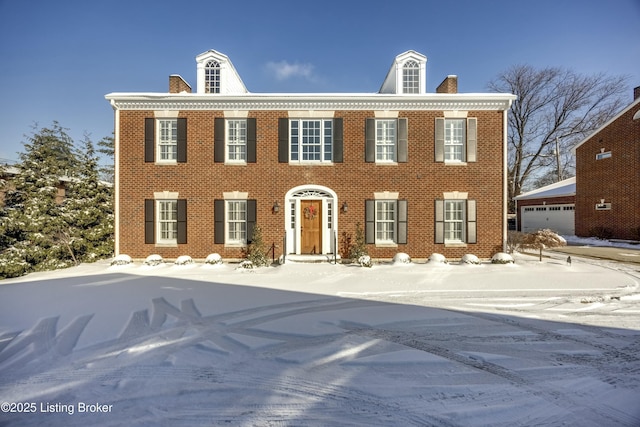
(55, 213)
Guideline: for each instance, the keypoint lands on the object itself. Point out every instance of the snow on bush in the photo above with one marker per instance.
(502, 258)
(246, 265)
(401, 258)
(153, 260)
(365, 261)
(122, 259)
(470, 259)
(437, 259)
(213, 259)
(184, 260)
(543, 239)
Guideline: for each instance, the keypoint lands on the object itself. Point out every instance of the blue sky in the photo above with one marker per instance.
(59, 58)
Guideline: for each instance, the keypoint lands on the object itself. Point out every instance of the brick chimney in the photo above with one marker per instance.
(178, 85)
(636, 93)
(448, 85)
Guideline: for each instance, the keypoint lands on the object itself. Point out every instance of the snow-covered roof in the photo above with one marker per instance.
(557, 189)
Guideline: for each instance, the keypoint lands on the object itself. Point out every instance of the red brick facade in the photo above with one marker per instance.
(611, 182)
(420, 180)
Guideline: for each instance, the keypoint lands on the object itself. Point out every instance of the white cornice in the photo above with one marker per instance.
(257, 102)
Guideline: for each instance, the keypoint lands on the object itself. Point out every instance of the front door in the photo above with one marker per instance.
(311, 226)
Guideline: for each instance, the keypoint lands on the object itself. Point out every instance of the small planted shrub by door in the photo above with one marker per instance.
(470, 259)
(184, 260)
(153, 260)
(502, 258)
(122, 260)
(213, 259)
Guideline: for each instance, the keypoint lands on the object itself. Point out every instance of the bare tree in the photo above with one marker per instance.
(555, 109)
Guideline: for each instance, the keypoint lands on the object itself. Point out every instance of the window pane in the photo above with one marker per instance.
(454, 139)
(237, 140)
(385, 221)
(311, 140)
(168, 139)
(237, 221)
(168, 221)
(454, 217)
(386, 140)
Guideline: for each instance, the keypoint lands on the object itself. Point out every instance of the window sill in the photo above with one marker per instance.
(386, 245)
(294, 163)
(450, 163)
(235, 245)
(230, 163)
(166, 245)
(378, 163)
(165, 162)
(455, 245)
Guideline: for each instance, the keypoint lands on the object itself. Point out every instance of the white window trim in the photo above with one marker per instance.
(227, 160)
(394, 160)
(463, 160)
(301, 118)
(158, 135)
(160, 241)
(227, 241)
(463, 221)
(387, 242)
(603, 155)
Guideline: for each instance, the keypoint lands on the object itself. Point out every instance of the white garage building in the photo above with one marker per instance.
(552, 207)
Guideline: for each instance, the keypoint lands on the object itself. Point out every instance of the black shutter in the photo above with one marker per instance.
(182, 221)
(439, 143)
(283, 140)
(252, 214)
(370, 221)
(439, 216)
(402, 222)
(338, 144)
(182, 140)
(218, 140)
(149, 221)
(472, 229)
(251, 140)
(149, 140)
(403, 140)
(370, 141)
(218, 221)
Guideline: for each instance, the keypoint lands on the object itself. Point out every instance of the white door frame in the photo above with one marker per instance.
(329, 203)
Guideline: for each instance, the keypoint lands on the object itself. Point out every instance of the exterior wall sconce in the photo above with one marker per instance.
(345, 207)
(276, 207)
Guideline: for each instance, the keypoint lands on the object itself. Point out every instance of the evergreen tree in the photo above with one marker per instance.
(31, 221)
(106, 147)
(88, 210)
(256, 252)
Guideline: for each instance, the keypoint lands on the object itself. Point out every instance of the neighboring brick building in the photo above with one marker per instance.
(608, 177)
(421, 173)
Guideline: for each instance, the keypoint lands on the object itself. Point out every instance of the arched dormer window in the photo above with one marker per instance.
(212, 77)
(411, 77)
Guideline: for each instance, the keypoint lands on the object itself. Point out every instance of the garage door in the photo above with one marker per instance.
(559, 218)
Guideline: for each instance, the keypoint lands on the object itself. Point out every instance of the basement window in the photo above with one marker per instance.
(603, 155)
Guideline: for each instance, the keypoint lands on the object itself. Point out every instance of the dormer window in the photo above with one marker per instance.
(212, 77)
(411, 77)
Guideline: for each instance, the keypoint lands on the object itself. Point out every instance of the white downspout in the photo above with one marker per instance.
(505, 167)
(116, 179)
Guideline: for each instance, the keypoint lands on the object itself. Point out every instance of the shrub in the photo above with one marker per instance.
(401, 258)
(602, 233)
(470, 259)
(153, 260)
(358, 248)
(438, 259)
(514, 241)
(184, 260)
(542, 239)
(365, 261)
(502, 258)
(213, 259)
(255, 251)
(122, 260)
(246, 265)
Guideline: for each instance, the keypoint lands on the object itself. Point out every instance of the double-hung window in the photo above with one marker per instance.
(454, 140)
(454, 221)
(236, 140)
(168, 140)
(385, 221)
(386, 140)
(167, 221)
(311, 140)
(236, 222)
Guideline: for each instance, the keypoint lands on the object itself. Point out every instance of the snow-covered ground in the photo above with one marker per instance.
(323, 345)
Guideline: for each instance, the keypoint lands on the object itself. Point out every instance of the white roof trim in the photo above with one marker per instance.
(252, 101)
(557, 189)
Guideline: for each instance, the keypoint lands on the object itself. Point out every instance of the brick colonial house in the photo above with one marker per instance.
(420, 172)
(608, 177)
